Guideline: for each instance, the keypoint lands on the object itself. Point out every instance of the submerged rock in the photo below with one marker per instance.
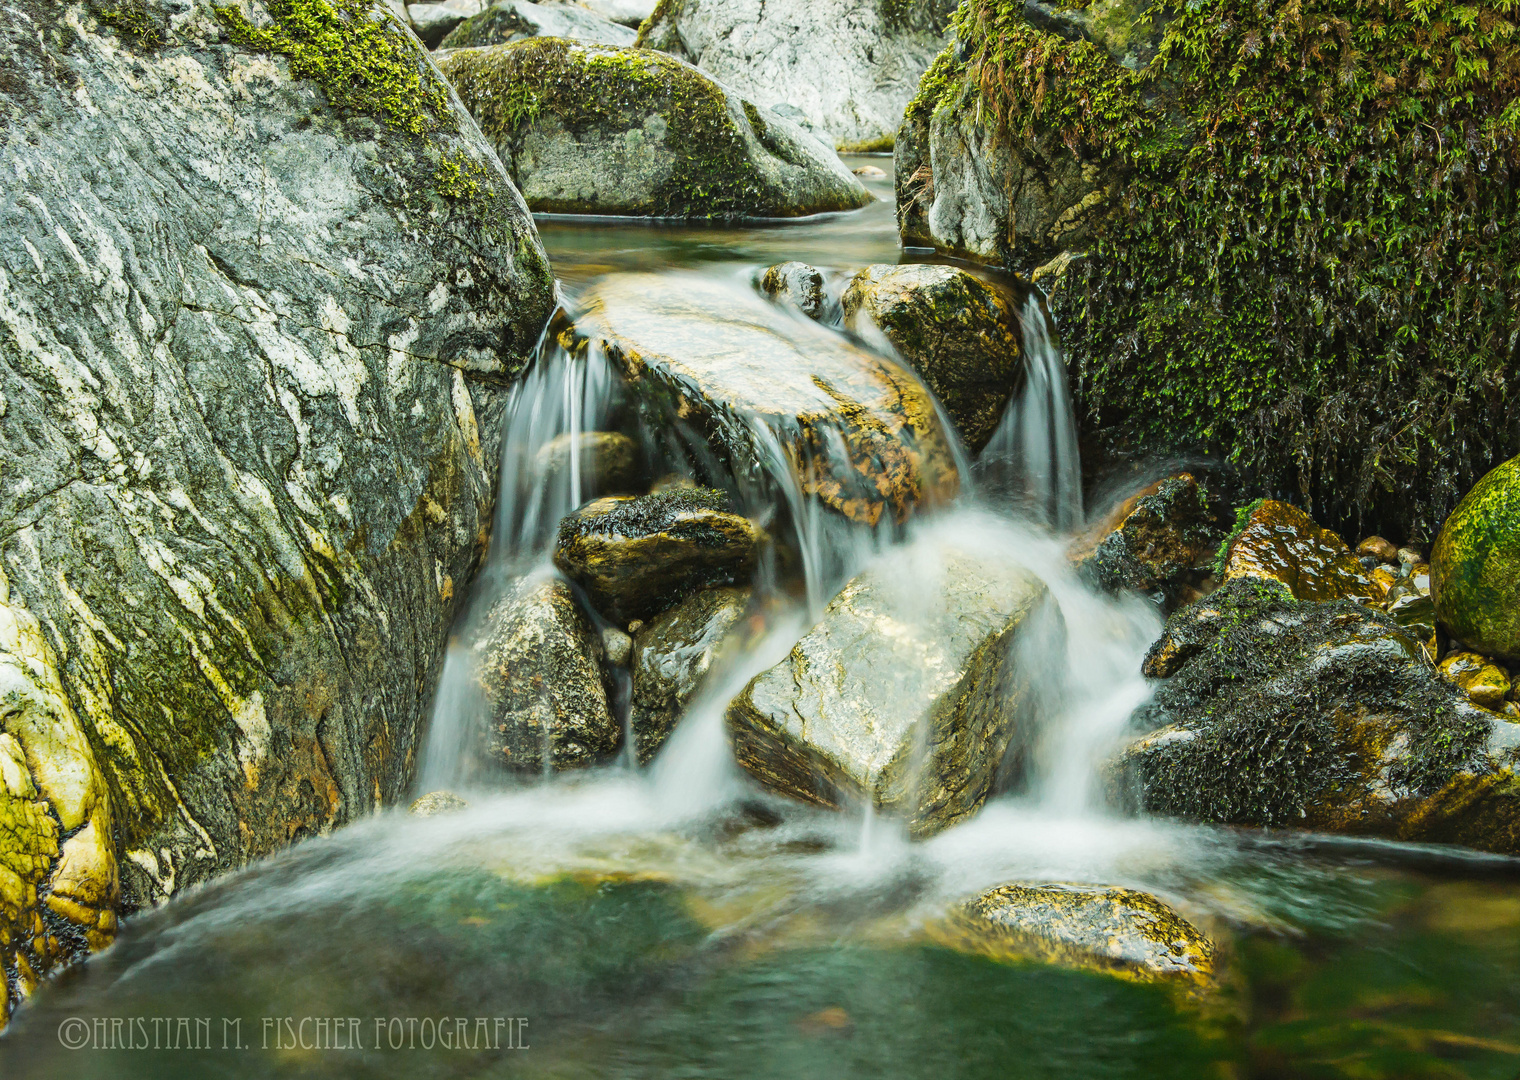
(259, 323)
(591, 129)
(514, 20)
(1108, 929)
(539, 665)
(1277, 541)
(912, 692)
(1475, 566)
(672, 657)
(1324, 716)
(959, 333)
(849, 67)
(636, 557)
(859, 430)
(1161, 542)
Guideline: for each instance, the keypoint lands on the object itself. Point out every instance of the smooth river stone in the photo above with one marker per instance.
(911, 692)
(859, 431)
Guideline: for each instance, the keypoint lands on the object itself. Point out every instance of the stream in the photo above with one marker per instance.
(675, 920)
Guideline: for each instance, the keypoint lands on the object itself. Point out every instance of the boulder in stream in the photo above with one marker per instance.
(960, 333)
(262, 309)
(514, 20)
(765, 391)
(637, 556)
(914, 692)
(592, 129)
(1284, 713)
(848, 66)
(1475, 566)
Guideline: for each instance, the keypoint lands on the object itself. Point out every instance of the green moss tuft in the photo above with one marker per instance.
(133, 21)
(365, 65)
(458, 176)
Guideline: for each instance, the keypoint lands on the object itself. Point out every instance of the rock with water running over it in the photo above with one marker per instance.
(1475, 566)
(1161, 542)
(608, 460)
(766, 393)
(1106, 929)
(637, 556)
(672, 657)
(1278, 712)
(797, 284)
(849, 66)
(514, 20)
(592, 129)
(539, 667)
(1277, 541)
(914, 691)
(255, 343)
(959, 333)
(437, 802)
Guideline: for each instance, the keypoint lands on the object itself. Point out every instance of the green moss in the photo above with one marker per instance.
(366, 66)
(1311, 262)
(881, 145)
(133, 21)
(458, 176)
(1242, 517)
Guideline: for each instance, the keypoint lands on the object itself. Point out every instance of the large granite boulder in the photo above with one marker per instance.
(959, 333)
(1142, 136)
(514, 20)
(1287, 713)
(858, 431)
(911, 693)
(590, 129)
(637, 556)
(539, 666)
(848, 66)
(262, 294)
(1475, 565)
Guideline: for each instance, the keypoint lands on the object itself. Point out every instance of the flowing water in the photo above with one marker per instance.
(677, 921)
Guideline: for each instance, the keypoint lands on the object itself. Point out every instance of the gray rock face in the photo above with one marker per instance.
(1328, 716)
(515, 20)
(672, 656)
(253, 352)
(589, 129)
(539, 663)
(434, 22)
(909, 692)
(796, 284)
(851, 66)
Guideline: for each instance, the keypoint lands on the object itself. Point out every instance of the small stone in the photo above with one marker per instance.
(1484, 681)
(1383, 578)
(618, 646)
(437, 802)
(797, 284)
(1410, 555)
(1380, 549)
(609, 461)
(1280, 542)
(870, 171)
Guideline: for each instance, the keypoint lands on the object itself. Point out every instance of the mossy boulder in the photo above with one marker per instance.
(1286, 713)
(763, 392)
(538, 665)
(637, 556)
(1277, 541)
(587, 129)
(515, 20)
(913, 692)
(1106, 929)
(1298, 221)
(960, 333)
(1475, 565)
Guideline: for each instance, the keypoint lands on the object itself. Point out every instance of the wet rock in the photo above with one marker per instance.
(859, 430)
(849, 67)
(912, 692)
(1483, 681)
(617, 645)
(1380, 549)
(609, 461)
(1475, 566)
(797, 284)
(514, 20)
(1326, 716)
(1161, 542)
(1107, 929)
(636, 557)
(1410, 556)
(631, 13)
(870, 172)
(255, 344)
(539, 668)
(672, 657)
(437, 802)
(593, 129)
(434, 22)
(1279, 542)
(960, 334)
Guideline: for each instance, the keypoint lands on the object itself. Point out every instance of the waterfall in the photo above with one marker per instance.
(1032, 457)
